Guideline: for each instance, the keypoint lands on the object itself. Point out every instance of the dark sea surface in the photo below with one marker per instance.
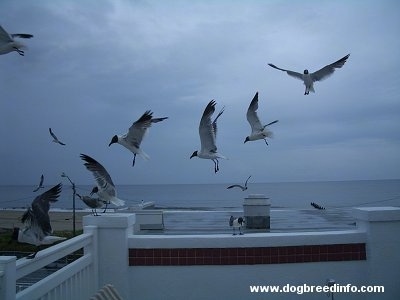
(216, 197)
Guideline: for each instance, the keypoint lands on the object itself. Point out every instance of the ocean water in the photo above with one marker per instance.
(215, 197)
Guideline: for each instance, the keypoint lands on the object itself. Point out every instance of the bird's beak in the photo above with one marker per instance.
(110, 144)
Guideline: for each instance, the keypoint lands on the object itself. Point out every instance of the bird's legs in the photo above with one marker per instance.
(240, 231)
(106, 207)
(216, 165)
(19, 51)
(265, 140)
(234, 232)
(134, 159)
(95, 212)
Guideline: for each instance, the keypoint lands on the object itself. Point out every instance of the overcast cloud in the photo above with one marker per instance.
(94, 67)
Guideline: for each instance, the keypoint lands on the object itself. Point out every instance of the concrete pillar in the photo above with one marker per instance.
(112, 249)
(382, 225)
(256, 208)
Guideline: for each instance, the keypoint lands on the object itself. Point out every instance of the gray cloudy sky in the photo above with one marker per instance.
(94, 67)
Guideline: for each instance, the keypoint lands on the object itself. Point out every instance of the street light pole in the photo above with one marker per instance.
(73, 202)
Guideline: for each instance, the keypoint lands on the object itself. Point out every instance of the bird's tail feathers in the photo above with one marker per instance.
(117, 202)
(144, 155)
(268, 134)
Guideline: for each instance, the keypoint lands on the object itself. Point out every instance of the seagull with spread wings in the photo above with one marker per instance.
(37, 228)
(105, 188)
(40, 186)
(208, 135)
(133, 138)
(258, 131)
(8, 44)
(309, 78)
(55, 139)
(243, 188)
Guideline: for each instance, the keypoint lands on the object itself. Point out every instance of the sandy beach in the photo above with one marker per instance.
(60, 220)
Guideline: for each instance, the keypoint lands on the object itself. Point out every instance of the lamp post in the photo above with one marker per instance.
(73, 201)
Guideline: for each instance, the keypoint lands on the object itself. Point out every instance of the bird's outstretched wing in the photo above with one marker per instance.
(4, 36)
(290, 73)
(252, 116)
(100, 174)
(245, 184)
(207, 130)
(328, 70)
(55, 137)
(236, 185)
(139, 128)
(40, 184)
(38, 213)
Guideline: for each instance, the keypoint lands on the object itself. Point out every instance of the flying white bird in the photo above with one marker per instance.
(258, 131)
(93, 203)
(55, 139)
(133, 138)
(236, 223)
(105, 188)
(240, 186)
(8, 44)
(208, 134)
(37, 228)
(309, 78)
(40, 186)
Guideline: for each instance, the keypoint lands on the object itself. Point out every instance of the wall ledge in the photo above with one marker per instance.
(377, 214)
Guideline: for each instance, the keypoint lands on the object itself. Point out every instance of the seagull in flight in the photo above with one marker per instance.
(8, 44)
(310, 78)
(40, 186)
(133, 138)
(55, 139)
(208, 134)
(240, 186)
(93, 203)
(105, 188)
(258, 131)
(37, 228)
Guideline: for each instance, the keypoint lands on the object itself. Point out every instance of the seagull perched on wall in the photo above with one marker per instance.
(133, 138)
(8, 44)
(236, 223)
(309, 78)
(40, 186)
(93, 203)
(55, 139)
(258, 131)
(105, 188)
(208, 135)
(36, 220)
(240, 186)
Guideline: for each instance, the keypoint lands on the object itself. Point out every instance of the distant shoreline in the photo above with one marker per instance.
(61, 220)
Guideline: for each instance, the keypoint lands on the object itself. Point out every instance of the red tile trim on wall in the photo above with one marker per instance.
(245, 256)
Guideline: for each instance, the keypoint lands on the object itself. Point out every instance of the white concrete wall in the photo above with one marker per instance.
(378, 227)
(232, 282)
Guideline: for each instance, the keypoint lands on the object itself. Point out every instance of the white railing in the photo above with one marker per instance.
(77, 280)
